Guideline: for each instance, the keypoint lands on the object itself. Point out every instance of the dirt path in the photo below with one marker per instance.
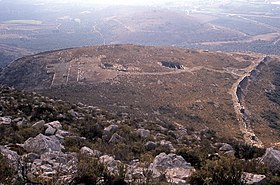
(248, 133)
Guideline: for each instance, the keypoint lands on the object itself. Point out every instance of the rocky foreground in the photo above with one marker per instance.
(46, 141)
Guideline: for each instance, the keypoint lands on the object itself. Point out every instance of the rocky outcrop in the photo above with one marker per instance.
(175, 168)
(41, 144)
(271, 159)
(53, 166)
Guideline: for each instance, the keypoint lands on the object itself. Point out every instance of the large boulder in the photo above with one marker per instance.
(271, 159)
(41, 144)
(175, 168)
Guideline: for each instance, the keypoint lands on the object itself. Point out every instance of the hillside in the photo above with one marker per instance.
(46, 141)
(191, 89)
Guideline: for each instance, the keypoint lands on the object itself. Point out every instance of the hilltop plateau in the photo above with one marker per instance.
(192, 89)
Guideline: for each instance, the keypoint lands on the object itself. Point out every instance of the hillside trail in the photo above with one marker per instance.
(245, 128)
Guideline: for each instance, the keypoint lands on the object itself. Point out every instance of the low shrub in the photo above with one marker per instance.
(245, 151)
(190, 157)
(219, 172)
(92, 171)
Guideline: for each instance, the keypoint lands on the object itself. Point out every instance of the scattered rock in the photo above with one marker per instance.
(22, 122)
(55, 124)
(96, 153)
(143, 133)
(168, 145)
(39, 124)
(111, 164)
(173, 166)
(271, 159)
(62, 133)
(116, 138)
(111, 129)
(136, 174)
(160, 136)
(41, 144)
(73, 113)
(30, 157)
(230, 153)
(178, 175)
(16, 120)
(250, 178)
(86, 151)
(5, 121)
(225, 147)
(150, 145)
(50, 131)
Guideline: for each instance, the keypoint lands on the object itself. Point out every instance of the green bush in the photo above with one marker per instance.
(245, 151)
(91, 171)
(219, 172)
(73, 144)
(273, 180)
(190, 157)
(90, 129)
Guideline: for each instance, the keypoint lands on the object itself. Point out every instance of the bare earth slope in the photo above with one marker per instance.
(185, 88)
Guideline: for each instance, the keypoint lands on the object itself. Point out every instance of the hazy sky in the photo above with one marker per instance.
(111, 2)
